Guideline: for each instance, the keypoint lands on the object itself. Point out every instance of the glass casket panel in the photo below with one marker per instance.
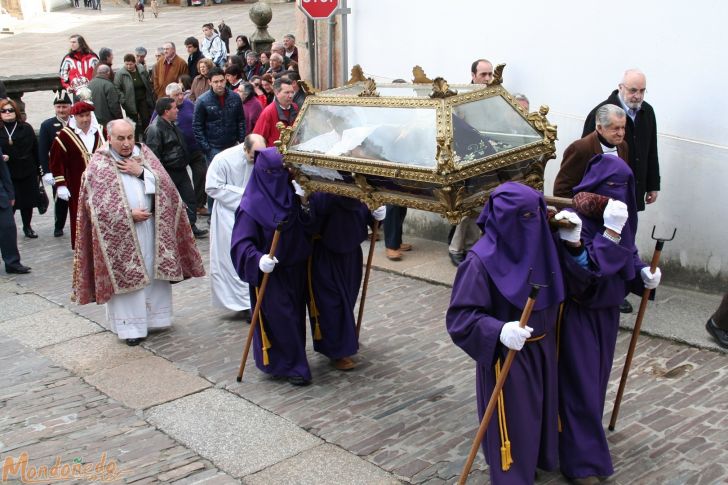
(488, 126)
(405, 90)
(384, 134)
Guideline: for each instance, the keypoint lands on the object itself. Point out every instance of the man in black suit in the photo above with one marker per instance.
(48, 131)
(8, 231)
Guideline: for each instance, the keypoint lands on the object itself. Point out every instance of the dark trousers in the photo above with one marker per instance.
(184, 186)
(720, 317)
(26, 215)
(393, 226)
(9, 238)
(198, 164)
(60, 212)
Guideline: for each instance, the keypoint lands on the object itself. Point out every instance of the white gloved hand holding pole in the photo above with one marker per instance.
(615, 215)
(650, 279)
(63, 193)
(379, 213)
(49, 180)
(267, 264)
(569, 234)
(298, 189)
(513, 336)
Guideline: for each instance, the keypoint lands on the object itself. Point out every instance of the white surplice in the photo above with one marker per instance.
(227, 176)
(131, 315)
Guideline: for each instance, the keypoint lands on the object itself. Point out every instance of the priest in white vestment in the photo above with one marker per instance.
(227, 176)
(133, 237)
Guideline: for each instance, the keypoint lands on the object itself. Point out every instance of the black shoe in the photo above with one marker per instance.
(625, 306)
(58, 233)
(456, 258)
(298, 381)
(720, 335)
(247, 316)
(133, 342)
(29, 232)
(19, 269)
(199, 233)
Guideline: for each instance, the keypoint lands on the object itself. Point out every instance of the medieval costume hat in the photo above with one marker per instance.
(81, 107)
(62, 97)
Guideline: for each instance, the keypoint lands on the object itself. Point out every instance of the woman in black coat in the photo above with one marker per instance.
(18, 141)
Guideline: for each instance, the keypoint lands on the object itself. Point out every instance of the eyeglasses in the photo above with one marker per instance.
(634, 90)
(7, 110)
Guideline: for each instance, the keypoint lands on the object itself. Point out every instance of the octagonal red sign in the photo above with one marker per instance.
(318, 9)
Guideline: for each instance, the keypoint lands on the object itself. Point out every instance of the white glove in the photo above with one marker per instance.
(63, 193)
(298, 189)
(649, 279)
(266, 263)
(615, 215)
(573, 234)
(49, 180)
(513, 336)
(379, 213)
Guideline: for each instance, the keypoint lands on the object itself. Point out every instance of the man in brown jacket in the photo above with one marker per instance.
(608, 138)
(168, 69)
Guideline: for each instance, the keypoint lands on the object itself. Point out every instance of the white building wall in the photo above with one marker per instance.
(570, 55)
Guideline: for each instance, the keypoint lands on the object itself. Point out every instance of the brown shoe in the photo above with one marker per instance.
(344, 363)
(394, 254)
(405, 247)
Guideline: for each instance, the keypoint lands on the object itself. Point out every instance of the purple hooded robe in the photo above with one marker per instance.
(335, 273)
(269, 200)
(491, 288)
(588, 333)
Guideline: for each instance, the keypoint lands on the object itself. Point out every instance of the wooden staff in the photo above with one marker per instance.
(256, 313)
(659, 243)
(525, 315)
(372, 243)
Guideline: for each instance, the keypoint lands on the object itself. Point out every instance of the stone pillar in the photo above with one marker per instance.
(321, 44)
(261, 15)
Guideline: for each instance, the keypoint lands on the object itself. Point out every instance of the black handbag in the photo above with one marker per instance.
(42, 198)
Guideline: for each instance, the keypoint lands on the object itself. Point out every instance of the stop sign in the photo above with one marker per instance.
(318, 9)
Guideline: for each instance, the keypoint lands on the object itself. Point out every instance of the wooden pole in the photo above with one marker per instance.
(256, 313)
(635, 333)
(525, 315)
(372, 244)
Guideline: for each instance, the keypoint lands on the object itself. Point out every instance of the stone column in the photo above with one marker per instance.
(261, 15)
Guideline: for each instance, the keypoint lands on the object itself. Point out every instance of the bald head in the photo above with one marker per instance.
(633, 87)
(104, 71)
(121, 136)
(251, 144)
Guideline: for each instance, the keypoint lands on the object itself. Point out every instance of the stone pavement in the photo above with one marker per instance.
(171, 411)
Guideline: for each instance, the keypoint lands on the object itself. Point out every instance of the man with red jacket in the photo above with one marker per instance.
(281, 109)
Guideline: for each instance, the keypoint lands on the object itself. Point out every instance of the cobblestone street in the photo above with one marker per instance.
(172, 410)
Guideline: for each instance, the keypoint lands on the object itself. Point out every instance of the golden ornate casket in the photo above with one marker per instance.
(431, 146)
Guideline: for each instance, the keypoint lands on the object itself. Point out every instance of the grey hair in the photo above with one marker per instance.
(172, 89)
(521, 97)
(140, 51)
(277, 45)
(631, 71)
(110, 125)
(604, 114)
(103, 70)
(160, 50)
(290, 36)
(277, 57)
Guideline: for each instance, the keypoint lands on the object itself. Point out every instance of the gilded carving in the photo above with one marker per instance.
(307, 88)
(370, 89)
(419, 76)
(357, 75)
(497, 75)
(440, 89)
